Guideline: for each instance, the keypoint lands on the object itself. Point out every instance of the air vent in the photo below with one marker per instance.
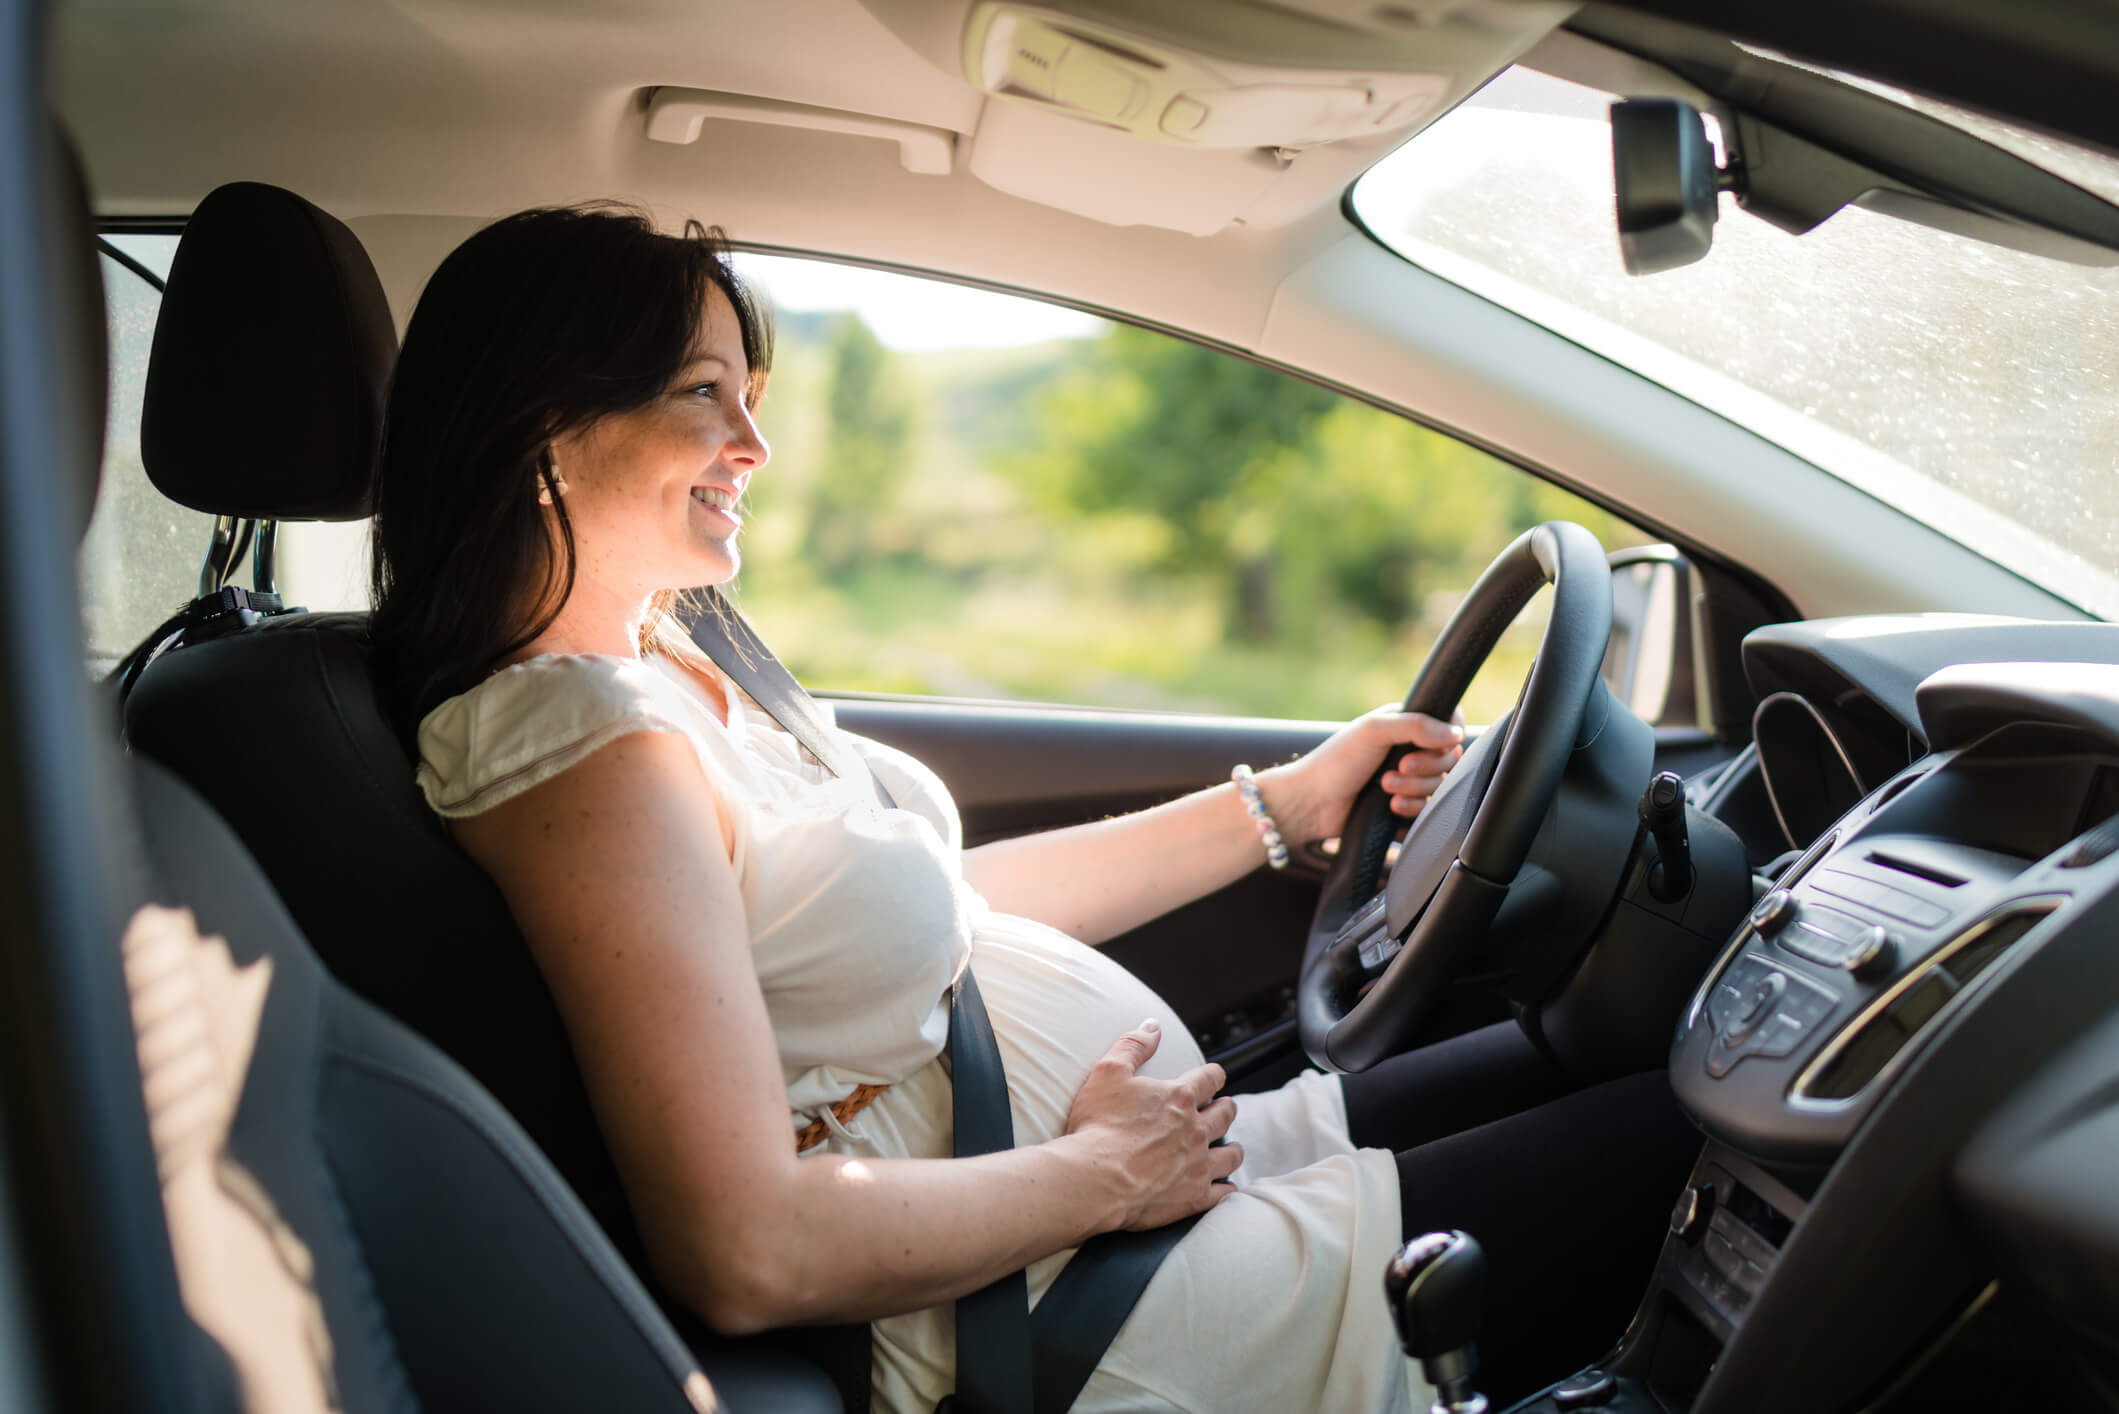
(2094, 847)
(1896, 789)
(1916, 869)
(1882, 1033)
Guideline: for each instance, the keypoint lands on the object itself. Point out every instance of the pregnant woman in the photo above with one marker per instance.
(754, 957)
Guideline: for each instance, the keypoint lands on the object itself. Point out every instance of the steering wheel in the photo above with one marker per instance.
(1382, 950)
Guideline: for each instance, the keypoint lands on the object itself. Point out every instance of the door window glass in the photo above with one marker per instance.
(140, 558)
(973, 495)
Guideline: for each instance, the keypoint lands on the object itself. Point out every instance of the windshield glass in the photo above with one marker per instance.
(1976, 388)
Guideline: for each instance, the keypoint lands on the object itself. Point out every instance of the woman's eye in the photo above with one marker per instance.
(711, 390)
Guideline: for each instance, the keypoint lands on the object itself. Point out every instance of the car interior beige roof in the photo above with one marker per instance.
(418, 120)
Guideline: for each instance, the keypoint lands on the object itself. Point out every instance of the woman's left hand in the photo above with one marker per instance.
(1309, 798)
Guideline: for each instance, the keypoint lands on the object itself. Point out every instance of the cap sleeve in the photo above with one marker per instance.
(529, 722)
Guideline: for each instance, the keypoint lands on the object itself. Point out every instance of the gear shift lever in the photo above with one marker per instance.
(1437, 1289)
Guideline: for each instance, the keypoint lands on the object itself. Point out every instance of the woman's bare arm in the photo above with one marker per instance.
(618, 871)
(1098, 880)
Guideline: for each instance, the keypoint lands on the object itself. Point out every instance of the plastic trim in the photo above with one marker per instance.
(1799, 1098)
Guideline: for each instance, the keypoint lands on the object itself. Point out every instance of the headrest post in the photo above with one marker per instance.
(220, 556)
(263, 561)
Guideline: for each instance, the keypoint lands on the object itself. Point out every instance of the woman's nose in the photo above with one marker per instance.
(748, 448)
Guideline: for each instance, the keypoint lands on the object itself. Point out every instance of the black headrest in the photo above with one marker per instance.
(81, 329)
(271, 360)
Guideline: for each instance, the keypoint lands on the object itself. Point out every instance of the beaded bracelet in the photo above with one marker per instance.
(1254, 806)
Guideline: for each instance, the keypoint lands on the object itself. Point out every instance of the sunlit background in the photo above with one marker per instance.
(979, 496)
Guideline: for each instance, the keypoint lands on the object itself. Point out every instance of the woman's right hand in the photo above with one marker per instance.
(1156, 1134)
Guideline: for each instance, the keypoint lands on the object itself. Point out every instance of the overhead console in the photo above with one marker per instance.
(1199, 117)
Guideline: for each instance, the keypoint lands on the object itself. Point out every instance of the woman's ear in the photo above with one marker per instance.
(549, 481)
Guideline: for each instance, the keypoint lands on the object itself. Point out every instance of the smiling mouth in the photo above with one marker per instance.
(714, 496)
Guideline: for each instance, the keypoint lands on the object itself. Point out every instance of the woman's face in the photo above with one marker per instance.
(655, 495)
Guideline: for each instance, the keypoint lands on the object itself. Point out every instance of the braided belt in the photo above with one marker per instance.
(810, 1135)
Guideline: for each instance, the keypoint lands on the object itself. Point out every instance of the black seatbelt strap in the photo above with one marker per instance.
(992, 1324)
(1086, 1304)
(727, 637)
(993, 1359)
(1010, 1360)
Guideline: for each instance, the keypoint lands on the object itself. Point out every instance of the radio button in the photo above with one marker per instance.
(1773, 912)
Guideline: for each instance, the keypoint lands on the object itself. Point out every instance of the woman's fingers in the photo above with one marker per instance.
(1419, 774)
(1430, 763)
(1203, 1084)
(1402, 728)
(1131, 1051)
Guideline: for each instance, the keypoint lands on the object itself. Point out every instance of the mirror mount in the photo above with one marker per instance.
(1667, 183)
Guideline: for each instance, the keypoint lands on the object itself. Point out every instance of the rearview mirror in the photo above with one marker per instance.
(1664, 176)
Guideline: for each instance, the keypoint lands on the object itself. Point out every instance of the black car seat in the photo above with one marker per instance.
(280, 729)
(357, 1226)
(367, 1229)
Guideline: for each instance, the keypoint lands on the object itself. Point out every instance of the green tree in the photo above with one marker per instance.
(1155, 424)
(868, 428)
(1298, 503)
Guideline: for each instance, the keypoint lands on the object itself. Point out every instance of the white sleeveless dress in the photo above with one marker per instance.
(860, 919)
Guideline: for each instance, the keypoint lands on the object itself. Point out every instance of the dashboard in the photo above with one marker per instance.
(1906, 1059)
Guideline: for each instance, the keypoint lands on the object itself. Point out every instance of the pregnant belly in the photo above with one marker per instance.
(1057, 1005)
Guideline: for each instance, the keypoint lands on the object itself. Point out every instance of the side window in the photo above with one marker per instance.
(979, 496)
(140, 559)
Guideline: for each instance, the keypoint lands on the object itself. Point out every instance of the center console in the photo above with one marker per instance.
(1837, 1054)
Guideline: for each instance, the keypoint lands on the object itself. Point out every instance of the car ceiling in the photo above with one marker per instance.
(462, 109)
(418, 120)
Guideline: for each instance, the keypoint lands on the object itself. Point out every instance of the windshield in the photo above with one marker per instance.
(1973, 387)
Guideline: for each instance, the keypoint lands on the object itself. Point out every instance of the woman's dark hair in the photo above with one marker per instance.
(535, 327)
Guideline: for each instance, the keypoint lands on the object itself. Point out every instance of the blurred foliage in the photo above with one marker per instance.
(869, 425)
(1127, 520)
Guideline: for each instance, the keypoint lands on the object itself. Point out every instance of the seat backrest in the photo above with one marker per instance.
(388, 1220)
(280, 729)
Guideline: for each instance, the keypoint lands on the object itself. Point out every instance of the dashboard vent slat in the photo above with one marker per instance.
(2094, 847)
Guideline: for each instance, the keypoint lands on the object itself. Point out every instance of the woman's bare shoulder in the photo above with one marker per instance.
(633, 810)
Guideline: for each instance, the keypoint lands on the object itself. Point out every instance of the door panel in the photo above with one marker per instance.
(1015, 769)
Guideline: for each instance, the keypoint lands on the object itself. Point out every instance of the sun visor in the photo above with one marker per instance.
(1111, 177)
